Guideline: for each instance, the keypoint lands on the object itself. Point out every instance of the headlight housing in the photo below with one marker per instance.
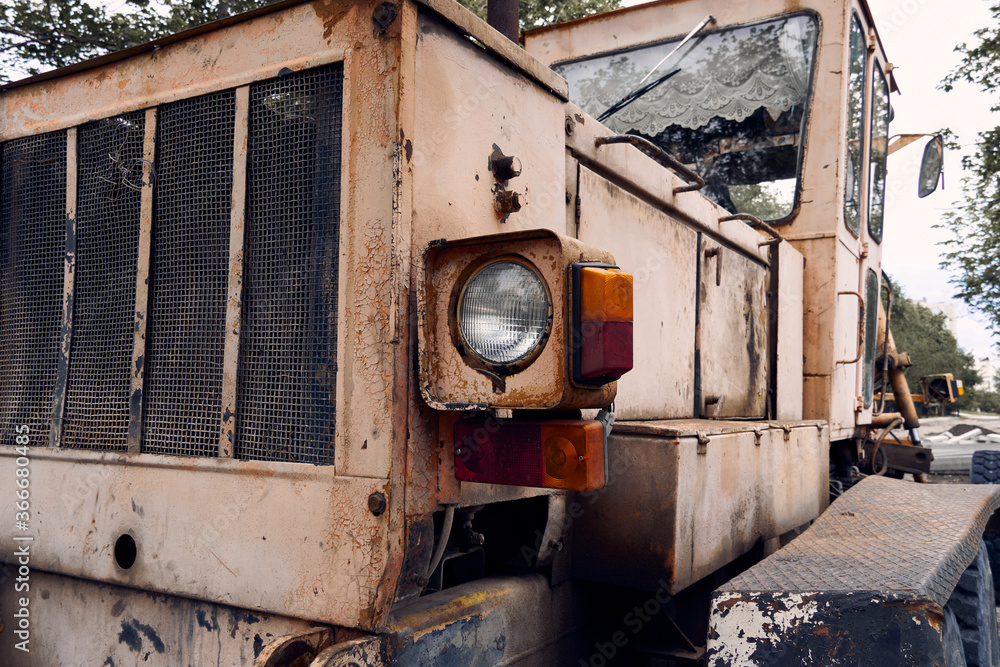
(504, 312)
(496, 324)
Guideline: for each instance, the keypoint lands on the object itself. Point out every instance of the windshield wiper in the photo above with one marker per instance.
(642, 90)
(634, 95)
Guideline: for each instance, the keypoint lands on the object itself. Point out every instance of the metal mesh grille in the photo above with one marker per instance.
(110, 178)
(32, 250)
(185, 335)
(287, 378)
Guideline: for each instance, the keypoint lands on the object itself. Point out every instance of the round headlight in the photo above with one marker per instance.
(503, 312)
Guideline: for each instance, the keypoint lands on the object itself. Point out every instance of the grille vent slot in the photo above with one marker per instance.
(288, 340)
(189, 276)
(32, 250)
(100, 378)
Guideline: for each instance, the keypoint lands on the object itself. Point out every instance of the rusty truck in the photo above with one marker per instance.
(354, 332)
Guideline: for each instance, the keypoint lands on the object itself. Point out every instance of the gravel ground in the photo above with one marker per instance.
(949, 477)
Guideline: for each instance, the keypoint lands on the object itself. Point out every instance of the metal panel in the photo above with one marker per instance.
(660, 253)
(123, 626)
(234, 303)
(143, 257)
(873, 567)
(32, 246)
(288, 340)
(69, 281)
(732, 333)
(282, 538)
(788, 355)
(190, 276)
(685, 497)
(110, 182)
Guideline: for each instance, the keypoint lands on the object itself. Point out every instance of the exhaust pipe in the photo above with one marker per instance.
(505, 17)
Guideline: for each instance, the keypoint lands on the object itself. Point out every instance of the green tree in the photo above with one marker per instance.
(540, 13)
(973, 252)
(36, 35)
(932, 347)
(758, 200)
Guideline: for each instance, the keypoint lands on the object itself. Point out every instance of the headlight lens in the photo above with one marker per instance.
(503, 312)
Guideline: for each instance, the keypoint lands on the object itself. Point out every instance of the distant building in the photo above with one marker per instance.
(987, 367)
(948, 310)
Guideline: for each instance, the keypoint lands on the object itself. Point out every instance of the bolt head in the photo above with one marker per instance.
(376, 503)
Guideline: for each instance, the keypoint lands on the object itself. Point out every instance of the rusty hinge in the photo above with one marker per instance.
(702, 444)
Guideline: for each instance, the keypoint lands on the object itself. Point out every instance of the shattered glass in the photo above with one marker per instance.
(734, 112)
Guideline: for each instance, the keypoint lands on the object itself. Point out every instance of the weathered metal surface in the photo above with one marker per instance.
(448, 381)
(508, 52)
(865, 584)
(660, 253)
(214, 529)
(79, 622)
(465, 105)
(362, 652)
(907, 458)
(142, 283)
(830, 329)
(234, 301)
(787, 371)
(69, 277)
(858, 628)
(678, 507)
(732, 337)
(500, 620)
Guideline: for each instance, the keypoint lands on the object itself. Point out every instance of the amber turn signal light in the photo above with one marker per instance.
(602, 327)
(557, 454)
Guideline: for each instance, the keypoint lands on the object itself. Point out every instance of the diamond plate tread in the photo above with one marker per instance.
(894, 538)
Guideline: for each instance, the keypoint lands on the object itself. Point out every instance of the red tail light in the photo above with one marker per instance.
(558, 454)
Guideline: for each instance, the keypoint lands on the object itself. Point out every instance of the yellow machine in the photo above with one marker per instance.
(342, 332)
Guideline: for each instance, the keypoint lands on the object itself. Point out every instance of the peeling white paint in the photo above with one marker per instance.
(742, 621)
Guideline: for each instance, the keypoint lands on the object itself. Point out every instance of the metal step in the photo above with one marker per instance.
(865, 584)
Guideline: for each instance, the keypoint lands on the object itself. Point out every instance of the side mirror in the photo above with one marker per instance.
(930, 167)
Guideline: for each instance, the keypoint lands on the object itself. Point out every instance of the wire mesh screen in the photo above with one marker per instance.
(287, 377)
(32, 251)
(110, 163)
(185, 334)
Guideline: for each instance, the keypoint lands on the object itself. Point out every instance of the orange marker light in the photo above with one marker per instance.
(602, 327)
(605, 295)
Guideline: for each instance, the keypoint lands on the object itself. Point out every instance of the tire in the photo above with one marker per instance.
(974, 604)
(985, 467)
(954, 651)
(986, 470)
(992, 541)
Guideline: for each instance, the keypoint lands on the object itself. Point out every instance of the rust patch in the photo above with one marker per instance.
(331, 12)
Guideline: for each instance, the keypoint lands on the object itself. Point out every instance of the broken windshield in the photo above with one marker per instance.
(734, 112)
